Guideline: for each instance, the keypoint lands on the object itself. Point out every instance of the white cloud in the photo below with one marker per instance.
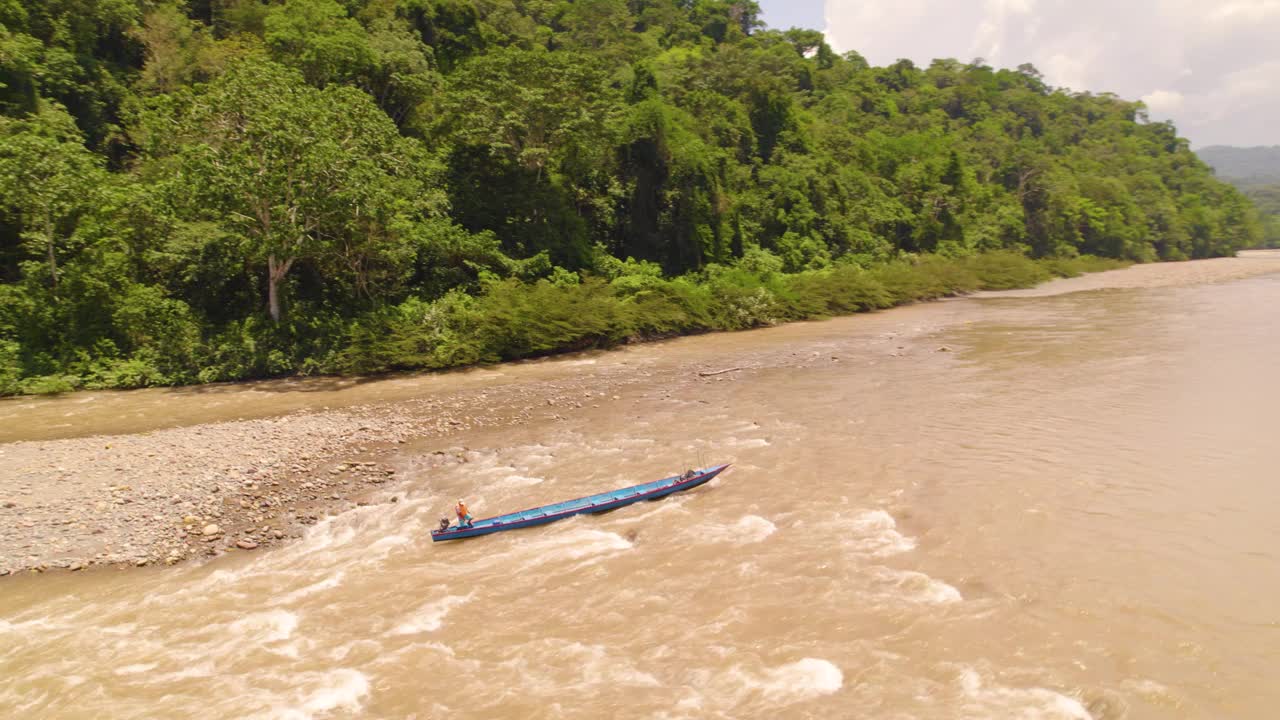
(1164, 102)
(1250, 11)
(1212, 66)
(1072, 69)
(1254, 83)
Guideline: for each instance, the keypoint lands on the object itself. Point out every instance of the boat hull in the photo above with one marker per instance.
(591, 505)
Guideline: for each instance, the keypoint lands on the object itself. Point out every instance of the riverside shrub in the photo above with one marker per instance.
(511, 319)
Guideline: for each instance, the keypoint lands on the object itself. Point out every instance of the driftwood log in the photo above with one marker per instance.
(719, 372)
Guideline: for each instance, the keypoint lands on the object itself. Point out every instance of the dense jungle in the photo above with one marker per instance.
(217, 190)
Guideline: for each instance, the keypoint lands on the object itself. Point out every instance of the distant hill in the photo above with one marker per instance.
(1244, 166)
(1256, 171)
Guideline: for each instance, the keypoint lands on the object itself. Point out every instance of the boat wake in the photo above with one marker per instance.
(572, 545)
(747, 530)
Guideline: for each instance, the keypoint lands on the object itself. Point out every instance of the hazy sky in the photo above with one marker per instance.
(783, 14)
(1211, 66)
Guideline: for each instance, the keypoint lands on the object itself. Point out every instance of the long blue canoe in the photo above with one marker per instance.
(603, 502)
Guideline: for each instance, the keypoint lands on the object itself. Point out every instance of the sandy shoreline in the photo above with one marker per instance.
(172, 494)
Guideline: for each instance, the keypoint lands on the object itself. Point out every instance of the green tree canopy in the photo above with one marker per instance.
(299, 174)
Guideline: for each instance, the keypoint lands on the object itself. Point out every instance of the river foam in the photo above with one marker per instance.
(745, 691)
(986, 700)
(895, 585)
(265, 627)
(328, 583)
(875, 533)
(802, 679)
(343, 689)
(430, 616)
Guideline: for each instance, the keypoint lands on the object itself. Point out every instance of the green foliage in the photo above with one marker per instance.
(192, 192)
(80, 53)
(1076, 266)
(512, 319)
(1006, 271)
(161, 333)
(515, 319)
(48, 181)
(537, 109)
(296, 174)
(50, 384)
(318, 38)
(931, 278)
(847, 289)
(1267, 199)
(10, 367)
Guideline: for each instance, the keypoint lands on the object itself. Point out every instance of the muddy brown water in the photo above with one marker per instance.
(1072, 513)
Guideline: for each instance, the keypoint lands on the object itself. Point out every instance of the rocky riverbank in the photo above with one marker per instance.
(166, 496)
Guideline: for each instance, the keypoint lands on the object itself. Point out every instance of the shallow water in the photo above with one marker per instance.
(1072, 514)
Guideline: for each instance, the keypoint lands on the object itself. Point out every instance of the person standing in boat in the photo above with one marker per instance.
(464, 516)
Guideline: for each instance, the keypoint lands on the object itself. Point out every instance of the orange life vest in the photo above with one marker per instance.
(461, 510)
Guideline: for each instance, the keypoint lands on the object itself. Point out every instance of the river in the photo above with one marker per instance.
(1046, 504)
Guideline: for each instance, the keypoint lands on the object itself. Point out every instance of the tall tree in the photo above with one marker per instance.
(298, 173)
(48, 179)
(532, 106)
(532, 132)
